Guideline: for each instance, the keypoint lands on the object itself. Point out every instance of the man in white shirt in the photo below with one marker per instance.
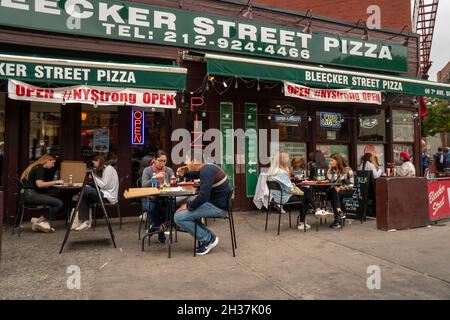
(407, 169)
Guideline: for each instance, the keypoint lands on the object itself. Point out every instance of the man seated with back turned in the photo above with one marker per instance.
(211, 202)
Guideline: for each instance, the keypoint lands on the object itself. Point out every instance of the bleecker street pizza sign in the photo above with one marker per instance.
(138, 22)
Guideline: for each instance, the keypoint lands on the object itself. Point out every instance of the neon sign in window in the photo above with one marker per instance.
(137, 128)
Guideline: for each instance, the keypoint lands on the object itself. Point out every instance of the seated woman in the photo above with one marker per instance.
(36, 191)
(279, 172)
(108, 182)
(407, 168)
(316, 162)
(339, 172)
(151, 205)
(370, 163)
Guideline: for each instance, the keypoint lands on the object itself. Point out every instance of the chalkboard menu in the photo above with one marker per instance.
(357, 204)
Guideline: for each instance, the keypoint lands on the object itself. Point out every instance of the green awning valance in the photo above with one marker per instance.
(231, 66)
(67, 71)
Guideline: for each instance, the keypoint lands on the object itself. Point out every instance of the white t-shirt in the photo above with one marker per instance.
(371, 167)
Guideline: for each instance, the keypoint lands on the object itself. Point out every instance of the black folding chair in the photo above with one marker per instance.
(274, 185)
(21, 207)
(230, 219)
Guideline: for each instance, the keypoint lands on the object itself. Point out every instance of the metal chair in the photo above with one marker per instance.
(274, 185)
(117, 204)
(141, 221)
(21, 207)
(230, 219)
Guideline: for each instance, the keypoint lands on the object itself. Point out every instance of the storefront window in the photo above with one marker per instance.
(290, 120)
(375, 149)
(2, 134)
(328, 150)
(371, 125)
(99, 130)
(332, 126)
(398, 148)
(402, 126)
(45, 127)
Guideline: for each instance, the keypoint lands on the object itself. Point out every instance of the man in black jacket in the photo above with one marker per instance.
(211, 202)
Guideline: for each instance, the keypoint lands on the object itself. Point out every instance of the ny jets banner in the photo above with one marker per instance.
(93, 95)
(331, 95)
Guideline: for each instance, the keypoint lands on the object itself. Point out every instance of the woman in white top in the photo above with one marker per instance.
(108, 182)
(279, 171)
(369, 163)
(407, 168)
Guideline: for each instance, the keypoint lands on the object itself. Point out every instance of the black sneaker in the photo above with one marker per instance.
(162, 238)
(207, 246)
(341, 215)
(152, 229)
(336, 224)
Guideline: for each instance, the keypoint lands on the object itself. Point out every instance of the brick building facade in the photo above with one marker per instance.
(394, 13)
(444, 74)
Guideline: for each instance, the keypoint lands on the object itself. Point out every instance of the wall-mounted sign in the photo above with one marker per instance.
(279, 118)
(368, 122)
(331, 95)
(93, 95)
(139, 22)
(137, 127)
(330, 120)
(287, 110)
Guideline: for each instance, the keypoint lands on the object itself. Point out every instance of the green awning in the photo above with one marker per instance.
(67, 71)
(231, 66)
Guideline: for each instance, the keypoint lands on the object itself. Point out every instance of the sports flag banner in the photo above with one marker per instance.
(94, 95)
(331, 95)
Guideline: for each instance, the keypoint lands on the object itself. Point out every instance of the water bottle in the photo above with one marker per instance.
(154, 182)
(70, 180)
(55, 177)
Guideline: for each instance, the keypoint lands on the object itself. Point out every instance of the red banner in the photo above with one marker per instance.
(439, 199)
(331, 95)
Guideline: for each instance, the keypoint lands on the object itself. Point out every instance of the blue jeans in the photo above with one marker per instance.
(155, 211)
(185, 219)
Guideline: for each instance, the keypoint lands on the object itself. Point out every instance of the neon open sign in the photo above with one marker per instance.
(137, 128)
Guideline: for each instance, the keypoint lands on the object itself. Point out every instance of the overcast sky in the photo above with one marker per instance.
(440, 50)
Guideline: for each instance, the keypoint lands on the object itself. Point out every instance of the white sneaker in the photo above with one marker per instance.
(301, 226)
(84, 226)
(143, 216)
(280, 208)
(43, 226)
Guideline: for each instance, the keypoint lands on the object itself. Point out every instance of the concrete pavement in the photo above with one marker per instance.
(329, 264)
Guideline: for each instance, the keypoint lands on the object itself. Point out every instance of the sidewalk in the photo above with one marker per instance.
(329, 264)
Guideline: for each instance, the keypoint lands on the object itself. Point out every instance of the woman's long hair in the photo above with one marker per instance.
(39, 162)
(341, 163)
(320, 161)
(367, 157)
(101, 164)
(279, 161)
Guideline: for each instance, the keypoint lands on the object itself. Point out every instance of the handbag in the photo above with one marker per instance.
(298, 191)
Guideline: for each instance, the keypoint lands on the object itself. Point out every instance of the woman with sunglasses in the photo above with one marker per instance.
(156, 169)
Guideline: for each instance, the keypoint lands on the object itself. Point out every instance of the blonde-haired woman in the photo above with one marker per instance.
(279, 171)
(36, 187)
